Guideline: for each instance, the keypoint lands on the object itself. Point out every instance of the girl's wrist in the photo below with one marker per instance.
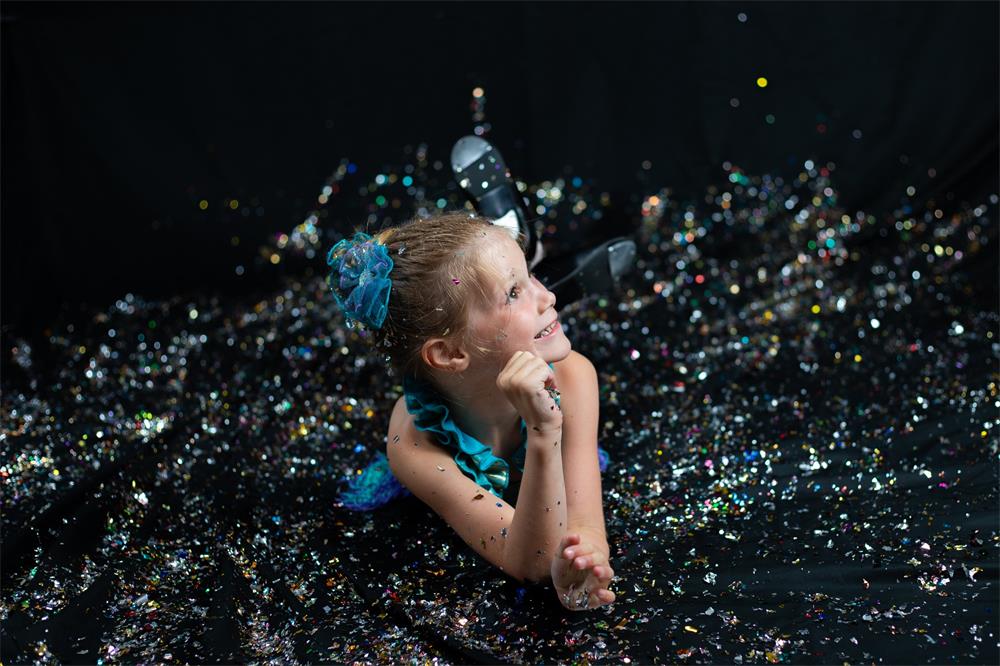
(542, 437)
(546, 428)
(545, 446)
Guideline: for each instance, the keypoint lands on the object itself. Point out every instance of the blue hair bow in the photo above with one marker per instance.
(361, 265)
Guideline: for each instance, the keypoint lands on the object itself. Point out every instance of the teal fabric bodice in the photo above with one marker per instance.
(475, 459)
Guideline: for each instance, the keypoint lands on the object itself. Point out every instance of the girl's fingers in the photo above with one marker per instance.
(515, 363)
(582, 562)
(588, 599)
(538, 372)
(601, 597)
(535, 364)
(548, 377)
(566, 542)
(570, 547)
(520, 361)
(604, 573)
(523, 362)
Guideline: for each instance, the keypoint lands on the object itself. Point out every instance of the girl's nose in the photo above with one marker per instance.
(548, 299)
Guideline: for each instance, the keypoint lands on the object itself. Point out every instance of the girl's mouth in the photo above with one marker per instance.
(548, 331)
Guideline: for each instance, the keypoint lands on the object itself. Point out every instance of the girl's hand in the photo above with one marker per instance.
(528, 383)
(581, 574)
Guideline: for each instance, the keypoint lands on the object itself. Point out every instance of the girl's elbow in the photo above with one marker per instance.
(529, 574)
(537, 577)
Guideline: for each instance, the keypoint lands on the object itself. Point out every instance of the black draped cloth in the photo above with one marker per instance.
(799, 401)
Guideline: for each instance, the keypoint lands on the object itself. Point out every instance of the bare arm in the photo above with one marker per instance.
(541, 507)
(520, 543)
(585, 509)
(581, 572)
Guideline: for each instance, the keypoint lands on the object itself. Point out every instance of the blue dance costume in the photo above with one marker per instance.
(376, 485)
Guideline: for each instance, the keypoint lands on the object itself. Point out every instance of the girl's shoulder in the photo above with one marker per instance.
(400, 415)
(578, 385)
(574, 369)
(405, 443)
(424, 467)
(403, 426)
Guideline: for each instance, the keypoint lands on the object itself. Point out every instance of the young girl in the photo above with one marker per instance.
(498, 411)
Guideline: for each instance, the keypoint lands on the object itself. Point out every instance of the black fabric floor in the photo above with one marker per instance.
(800, 404)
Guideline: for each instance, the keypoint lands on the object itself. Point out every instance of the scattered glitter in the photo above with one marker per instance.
(160, 479)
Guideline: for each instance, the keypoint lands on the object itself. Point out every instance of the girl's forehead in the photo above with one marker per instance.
(503, 256)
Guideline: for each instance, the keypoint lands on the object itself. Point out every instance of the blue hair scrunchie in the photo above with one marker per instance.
(362, 265)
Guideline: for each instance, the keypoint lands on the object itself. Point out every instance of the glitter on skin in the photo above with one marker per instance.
(755, 443)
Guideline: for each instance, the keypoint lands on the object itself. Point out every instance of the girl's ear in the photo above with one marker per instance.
(442, 355)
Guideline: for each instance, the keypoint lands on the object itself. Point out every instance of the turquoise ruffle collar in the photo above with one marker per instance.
(474, 458)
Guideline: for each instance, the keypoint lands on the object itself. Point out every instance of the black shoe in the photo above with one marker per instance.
(592, 271)
(481, 173)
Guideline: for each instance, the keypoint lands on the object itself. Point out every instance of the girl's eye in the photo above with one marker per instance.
(513, 292)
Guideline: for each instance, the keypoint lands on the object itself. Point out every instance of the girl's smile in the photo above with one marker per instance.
(549, 331)
(520, 314)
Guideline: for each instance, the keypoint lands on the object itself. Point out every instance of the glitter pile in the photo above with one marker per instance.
(800, 403)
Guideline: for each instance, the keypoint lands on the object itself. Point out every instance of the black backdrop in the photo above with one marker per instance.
(118, 118)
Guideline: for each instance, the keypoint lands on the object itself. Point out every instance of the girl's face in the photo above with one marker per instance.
(520, 313)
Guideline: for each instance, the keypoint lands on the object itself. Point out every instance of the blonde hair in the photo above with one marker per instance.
(437, 276)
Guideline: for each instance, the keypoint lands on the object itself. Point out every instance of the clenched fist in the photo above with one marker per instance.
(529, 384)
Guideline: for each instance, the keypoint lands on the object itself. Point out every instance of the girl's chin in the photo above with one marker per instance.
(555, 349)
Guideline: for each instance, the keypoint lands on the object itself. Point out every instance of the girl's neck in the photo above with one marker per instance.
(481, 410)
